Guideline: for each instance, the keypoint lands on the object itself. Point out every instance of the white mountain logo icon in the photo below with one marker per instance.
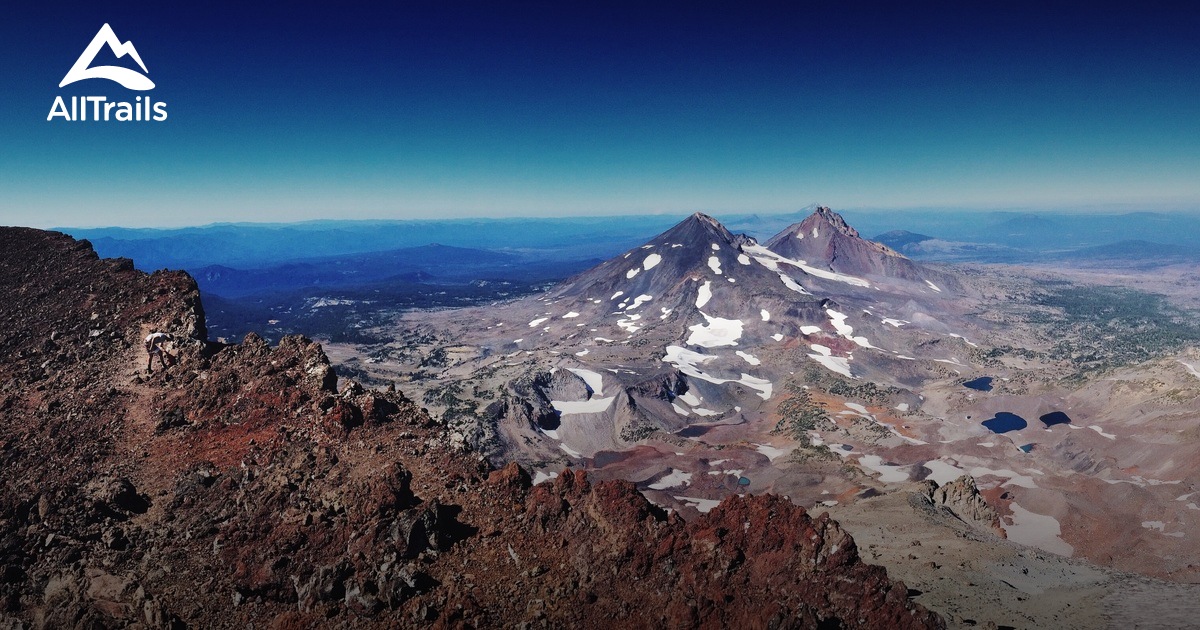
(131, 79)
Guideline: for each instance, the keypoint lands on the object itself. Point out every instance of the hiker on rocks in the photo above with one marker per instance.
(156, 346)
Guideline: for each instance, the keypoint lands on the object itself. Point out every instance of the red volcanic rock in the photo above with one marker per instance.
(241, 488)
(752, 561)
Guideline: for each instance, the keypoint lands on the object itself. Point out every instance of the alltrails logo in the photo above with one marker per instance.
(99, 107)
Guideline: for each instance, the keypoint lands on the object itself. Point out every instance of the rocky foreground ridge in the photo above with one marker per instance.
(244, 488)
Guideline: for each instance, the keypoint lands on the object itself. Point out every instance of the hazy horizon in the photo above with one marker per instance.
(1189, 209)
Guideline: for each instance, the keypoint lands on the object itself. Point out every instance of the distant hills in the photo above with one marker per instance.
(900, 239)
(252, 245)
(264, 272)
(1136, 250)
(431, 264)
(976, 236)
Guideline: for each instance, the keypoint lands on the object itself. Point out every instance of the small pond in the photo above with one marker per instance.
(1055, 417)
(1003, 422)
(694, 431)
(981, 384)
(608, 458)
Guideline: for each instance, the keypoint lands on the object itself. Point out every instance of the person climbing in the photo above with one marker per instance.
(156, 346)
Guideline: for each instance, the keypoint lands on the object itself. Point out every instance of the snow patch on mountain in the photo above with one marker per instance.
(594, 380)
(704, 506)
(639, 300)
(772, 452)
(965, 340)
(592, 405)
(717, 332)
(749, 358)
(1011, 477)
(1037, 530)
(771, 260)
(704, 294)
(823, 355)
(888, 473)
(838, 320)
(673, 479)
(943, 472)
(792, 284)
(687, 362)
(541, 477)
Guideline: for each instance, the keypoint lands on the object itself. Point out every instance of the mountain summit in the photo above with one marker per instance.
(824, 239)
(697, 264)
(697, 227)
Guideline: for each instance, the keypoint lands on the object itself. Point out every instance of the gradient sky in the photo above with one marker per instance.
(439, 109)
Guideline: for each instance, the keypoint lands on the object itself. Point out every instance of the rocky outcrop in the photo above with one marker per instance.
(664, 386)
(714, 571)
(526, 400)
(962, 497)
(243, 488)
(562, 385)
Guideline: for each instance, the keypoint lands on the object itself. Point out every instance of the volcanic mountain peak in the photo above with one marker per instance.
(823, 216)
(695, 258)
(704, 218)
(698, 228)
(824, 239)
(824, 229)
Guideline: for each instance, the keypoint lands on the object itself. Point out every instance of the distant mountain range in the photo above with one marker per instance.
(246, 267)
(979, 236)
(1135, 250)
(428, 264)
(251, 245)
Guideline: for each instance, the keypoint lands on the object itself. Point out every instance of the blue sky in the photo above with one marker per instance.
(437, 109)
